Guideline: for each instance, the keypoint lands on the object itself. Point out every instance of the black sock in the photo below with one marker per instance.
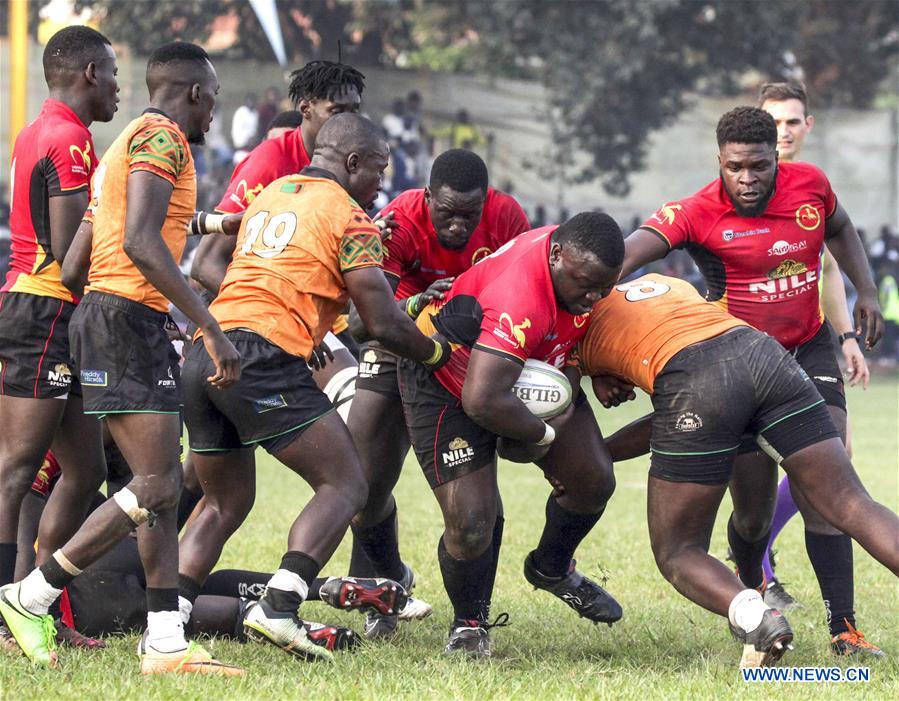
(300, 564)
(465, 582)
(747, 555)
(360, 564)
(563, 532)
(55, 575)
(186, 503)
(7, 563)
(381, 543)
(249, 585)
(188, 588)
(491, 579)
(831, 557)
(162, 599)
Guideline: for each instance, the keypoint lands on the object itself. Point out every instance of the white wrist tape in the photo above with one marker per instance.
(549, 436)
(127, 502)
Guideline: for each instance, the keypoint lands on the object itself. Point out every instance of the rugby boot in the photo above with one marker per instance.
(331, 637)
(283, 629)
(767, 643)
(380, 595)
(69, 637)
(584, 595)
(191, 660)
(853, 643)
(471, 638)
(7, 639)
(779, 598)
(379, 625)
(34, 633)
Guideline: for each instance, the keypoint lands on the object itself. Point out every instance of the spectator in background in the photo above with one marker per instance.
(393, 124)
(269, 108)
(283, 122)
(539, 218)
(463, 133)
(244, 126)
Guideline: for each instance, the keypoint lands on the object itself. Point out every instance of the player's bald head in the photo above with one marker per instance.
(348, 133)
(178, 63)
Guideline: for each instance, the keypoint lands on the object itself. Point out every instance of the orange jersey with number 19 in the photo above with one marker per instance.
(297, 239)
(642, 324)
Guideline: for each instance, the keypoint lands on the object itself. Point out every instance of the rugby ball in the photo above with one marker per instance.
(544, 389)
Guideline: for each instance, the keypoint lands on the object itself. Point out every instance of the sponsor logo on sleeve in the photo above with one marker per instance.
(458, 452)
(807, 217)
(480, 254)
(244, 194)
(81, 158)
(511, 332)
(93, 378)
(667, 213)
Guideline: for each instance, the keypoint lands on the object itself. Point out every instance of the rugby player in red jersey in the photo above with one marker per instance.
(529, 299)
(757, 233)
(40, 397)
(438, 233)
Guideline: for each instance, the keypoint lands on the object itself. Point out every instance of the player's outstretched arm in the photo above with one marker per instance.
(66, 213)
(78, 260)
(489, 401)
(386, 322)
(147, 200)
(833, 302)
(211, 261)
(844, 243)
(640, 248)
(630, 441)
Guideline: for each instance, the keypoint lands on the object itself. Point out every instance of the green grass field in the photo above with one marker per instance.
(664, 647)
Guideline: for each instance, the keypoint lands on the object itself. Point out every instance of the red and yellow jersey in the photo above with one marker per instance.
(642, 324)
(505, 304)
(152, 143)
(761, 269)
(298, 238)
(52, 157)
(414, 255)
(270, 160)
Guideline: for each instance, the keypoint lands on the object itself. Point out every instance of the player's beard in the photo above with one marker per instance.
(198, 139)
(759, 207)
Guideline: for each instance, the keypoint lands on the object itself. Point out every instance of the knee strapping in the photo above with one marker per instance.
(127, 502)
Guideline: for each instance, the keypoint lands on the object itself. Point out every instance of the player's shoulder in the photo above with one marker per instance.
(409, 203)
(801, 175)
(153, 123)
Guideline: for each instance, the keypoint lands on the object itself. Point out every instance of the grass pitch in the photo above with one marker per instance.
(664, 647)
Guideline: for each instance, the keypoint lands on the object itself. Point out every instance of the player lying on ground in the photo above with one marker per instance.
(757, 232)
(713, 379)
(529, 299)
(304, 249)
(437, 233)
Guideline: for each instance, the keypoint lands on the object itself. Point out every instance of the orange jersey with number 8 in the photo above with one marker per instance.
(297, 239)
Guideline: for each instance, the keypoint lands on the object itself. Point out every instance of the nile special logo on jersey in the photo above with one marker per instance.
(81, 158)
(789, 279)
(511, 332)
(667, 213)
(807, 217)
(60, 375)
(458, 452)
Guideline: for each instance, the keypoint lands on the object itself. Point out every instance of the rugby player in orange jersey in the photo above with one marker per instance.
(305, 248)
(143, 196)
(40, 397)
(757, 233)
(438, 232)
(712, 379)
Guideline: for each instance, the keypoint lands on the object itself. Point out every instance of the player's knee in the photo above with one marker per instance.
(155, 493)
(592, 493)
(356, 493)
(16, 479)
(466, 541)
(752, 527)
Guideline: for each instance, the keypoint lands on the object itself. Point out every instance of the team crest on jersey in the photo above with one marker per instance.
(580, 320)
(807, 217)
(667, 213)
(458, 452)
(688, 422)
(786, 268)
(515, 332)
(60, 375)
(81, 158)
(480, 254)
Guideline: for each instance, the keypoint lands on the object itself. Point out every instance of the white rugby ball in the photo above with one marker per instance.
(544, 389)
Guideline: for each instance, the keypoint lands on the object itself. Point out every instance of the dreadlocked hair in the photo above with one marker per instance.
(322, 80)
